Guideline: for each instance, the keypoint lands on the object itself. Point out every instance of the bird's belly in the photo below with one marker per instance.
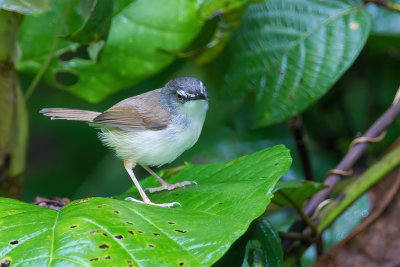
(149, 147)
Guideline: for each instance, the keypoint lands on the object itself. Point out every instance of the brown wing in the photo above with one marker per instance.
(137, 113)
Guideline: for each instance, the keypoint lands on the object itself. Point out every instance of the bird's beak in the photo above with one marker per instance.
(200, 96)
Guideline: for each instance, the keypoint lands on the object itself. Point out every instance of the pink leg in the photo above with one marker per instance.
(129, 165)
(164, 184)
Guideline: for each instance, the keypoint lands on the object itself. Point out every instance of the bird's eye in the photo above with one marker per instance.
(179, 97)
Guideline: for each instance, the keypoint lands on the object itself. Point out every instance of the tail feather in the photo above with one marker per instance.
(70, 114)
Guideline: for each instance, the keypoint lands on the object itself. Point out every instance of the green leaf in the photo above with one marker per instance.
(290, 53)
(236, 252)
(96, 17)
(270, 242)
(25, 6)
(104, 232)
(295, 191)
(132, 53)
(210, 8)
(256, 257)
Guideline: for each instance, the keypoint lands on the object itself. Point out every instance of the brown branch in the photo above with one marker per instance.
(295, 125)
(352, 156)
(345, 164)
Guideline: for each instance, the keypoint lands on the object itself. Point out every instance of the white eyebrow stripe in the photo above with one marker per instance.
(181, 92)
(186, 94)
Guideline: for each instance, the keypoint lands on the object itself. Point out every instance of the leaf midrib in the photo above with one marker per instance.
(308, 33)
(53, 240)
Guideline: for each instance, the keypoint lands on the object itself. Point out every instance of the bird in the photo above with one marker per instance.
(150, 129)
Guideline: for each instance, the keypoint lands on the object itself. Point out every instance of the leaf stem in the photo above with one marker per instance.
(49, 56)
(387, 4)
(299, 210)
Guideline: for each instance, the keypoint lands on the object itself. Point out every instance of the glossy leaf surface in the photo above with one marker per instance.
(103, 231)
(290, 53)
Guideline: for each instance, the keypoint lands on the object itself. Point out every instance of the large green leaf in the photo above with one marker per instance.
(291, 52)
(101, 231)
(139, 30)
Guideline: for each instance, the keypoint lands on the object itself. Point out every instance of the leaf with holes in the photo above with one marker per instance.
(291, 52)
(104, 232)
(138, 33)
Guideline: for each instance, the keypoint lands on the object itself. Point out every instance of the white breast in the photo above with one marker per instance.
(156, 148)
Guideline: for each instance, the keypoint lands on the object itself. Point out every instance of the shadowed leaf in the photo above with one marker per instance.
(290, 53)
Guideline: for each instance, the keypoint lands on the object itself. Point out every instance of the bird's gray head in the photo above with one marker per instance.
(185, 94)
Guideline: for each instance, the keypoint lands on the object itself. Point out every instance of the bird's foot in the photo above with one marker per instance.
(167, 186)
(148, 202)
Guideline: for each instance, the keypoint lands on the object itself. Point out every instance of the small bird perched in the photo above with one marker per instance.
(150, 129)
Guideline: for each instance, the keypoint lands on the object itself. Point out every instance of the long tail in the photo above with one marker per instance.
(70, 114)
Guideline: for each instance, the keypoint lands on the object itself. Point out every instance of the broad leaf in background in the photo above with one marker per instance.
(291, 53)
(139, 29)
(25, 6)
(297, 191)
(101, 231)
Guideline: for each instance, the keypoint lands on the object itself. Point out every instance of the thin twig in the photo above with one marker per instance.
(296, 127)
(387, 4)
(345, 164)
(49, 56)
(352, 156)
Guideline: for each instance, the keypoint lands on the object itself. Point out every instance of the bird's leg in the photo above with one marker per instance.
(164, 184)
(129, 165)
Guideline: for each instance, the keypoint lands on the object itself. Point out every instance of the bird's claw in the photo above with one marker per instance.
(168, 186)
(167, 205)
